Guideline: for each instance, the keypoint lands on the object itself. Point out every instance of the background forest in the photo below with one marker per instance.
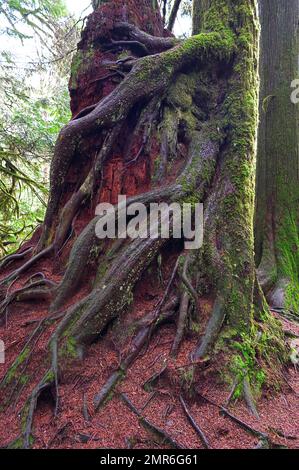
(38, 40)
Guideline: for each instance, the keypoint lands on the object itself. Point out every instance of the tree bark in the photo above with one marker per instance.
(277, 196)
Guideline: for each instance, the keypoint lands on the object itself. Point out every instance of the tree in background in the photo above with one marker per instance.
(160, 120)
(34, 108)
(277, 198)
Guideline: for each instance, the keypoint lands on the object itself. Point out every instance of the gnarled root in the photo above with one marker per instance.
(212, 330)
(15, 257)
(30, 406)
(22, 269)
(150, 324)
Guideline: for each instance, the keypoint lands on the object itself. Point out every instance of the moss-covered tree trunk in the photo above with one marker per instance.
(160, 120)
(277, 200)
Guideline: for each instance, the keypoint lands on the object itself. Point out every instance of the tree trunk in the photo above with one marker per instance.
(277, 200)
(159, 120)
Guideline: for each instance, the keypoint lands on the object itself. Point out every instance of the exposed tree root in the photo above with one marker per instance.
(13, 381)
(195, 426)
(34, 291)
(164, 438)
(15, 257)
(263, 438)
(213, 328)
(152, 44)
(29, 409)
(154, 378)
(149, 324)
(22, 269)
(146, 328)
(249, 398)
(184, 304)
(188, 284)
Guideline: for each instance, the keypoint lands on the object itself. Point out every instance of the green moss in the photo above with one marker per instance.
(287, 246)
(13, 371)
(82, 60)
(258, 355)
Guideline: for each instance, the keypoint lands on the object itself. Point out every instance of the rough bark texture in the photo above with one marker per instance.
(277, 200)
(159, 120)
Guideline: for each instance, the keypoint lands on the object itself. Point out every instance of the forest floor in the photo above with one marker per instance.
(114, 425)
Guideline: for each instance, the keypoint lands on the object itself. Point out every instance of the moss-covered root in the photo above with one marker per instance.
(30, 406)
(15, 378)
(25, 439)
(112, 294)
(213, 328)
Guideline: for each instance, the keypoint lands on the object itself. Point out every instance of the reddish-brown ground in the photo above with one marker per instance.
(114, 425)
